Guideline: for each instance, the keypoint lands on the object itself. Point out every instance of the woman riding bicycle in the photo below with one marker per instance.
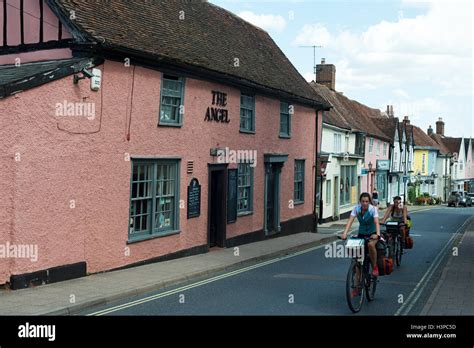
(397, 212)
(369, 227)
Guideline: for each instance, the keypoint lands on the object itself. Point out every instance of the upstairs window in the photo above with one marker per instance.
(285, 119)
(172, 95)
(247, 113)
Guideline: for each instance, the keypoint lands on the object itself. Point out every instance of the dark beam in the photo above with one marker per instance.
(22, 22)
(4, 22)
(41, 21)
(36, 47)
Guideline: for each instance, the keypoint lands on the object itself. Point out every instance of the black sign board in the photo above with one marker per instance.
(231, 195)
(194, 198)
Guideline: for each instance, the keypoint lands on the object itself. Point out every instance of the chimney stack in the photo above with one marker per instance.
(390, 111)
(440, 126)
(406, 121)
(326, 74)
(430, 130)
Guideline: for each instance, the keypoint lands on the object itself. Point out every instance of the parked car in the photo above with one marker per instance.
(459, 198)
(454, 199)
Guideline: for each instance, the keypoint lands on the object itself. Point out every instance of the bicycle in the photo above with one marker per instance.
(395, 242)
(360, 264)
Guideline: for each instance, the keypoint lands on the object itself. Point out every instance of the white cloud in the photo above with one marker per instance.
(435, 48)
(265, 21)
(399, 92)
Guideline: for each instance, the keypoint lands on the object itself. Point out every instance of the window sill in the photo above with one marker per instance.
(169, 124)
(244, 213)
(245, 131)
(284, 136)
(298, 202)
(153, 236)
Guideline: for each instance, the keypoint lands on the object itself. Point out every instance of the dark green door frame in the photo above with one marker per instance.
(273, 166)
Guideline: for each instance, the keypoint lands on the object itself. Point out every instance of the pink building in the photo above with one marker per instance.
(186, 135)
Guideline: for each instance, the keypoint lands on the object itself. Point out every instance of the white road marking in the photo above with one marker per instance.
(210, 280)
(200, 283)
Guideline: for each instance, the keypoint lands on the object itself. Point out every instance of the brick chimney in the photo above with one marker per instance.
(430, 130)
(406, 121)
(440, 126)
(326, 74)
(390, 111)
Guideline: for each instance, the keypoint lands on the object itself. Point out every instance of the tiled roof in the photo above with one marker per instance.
(451, 144)
(207, 37)
(387, 126)
(442, 147)
(423, 139)
(349, 113)
(335, 115)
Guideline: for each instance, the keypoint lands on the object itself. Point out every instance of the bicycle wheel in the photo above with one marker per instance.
(391, 247)
(355, 302)
(370, 284)
(399, 251)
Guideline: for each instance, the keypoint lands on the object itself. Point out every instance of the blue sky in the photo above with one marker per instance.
(415, 55)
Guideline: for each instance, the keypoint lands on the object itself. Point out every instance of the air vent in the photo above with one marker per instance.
(190, 167)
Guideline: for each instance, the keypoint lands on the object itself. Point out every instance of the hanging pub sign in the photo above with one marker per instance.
(194, 198)
(217, 112)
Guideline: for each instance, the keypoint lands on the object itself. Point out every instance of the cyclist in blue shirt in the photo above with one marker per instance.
(369, 227)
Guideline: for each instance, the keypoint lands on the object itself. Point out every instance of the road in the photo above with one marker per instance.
(309, 283)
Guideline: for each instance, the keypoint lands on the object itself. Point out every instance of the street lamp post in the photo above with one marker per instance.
(369, 178)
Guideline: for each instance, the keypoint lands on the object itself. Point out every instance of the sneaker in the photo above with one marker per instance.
(375, 271)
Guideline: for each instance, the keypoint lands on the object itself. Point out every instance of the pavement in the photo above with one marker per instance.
(74, 296)
(454, 292)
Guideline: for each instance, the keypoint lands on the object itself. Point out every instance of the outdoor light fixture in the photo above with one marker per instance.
(95, 76)
(85, 74)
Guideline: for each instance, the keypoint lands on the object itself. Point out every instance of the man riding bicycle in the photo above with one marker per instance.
(369, 228)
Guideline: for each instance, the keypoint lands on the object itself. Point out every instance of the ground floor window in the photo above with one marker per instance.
(245, 188)
(154, 197)
(348, 185)
(299, 181)
(382, 186)
(328, 192)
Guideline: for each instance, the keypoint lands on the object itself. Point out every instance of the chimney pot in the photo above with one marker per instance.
(440, 126)
(430, 130)
(323, 60)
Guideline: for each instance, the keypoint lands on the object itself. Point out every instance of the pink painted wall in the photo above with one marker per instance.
(31, 31)
(57, 167)
(372, 157)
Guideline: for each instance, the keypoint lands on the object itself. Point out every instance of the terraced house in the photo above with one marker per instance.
(425, 163)
(160, 130)
(400, 172)
(462, 157)
(354, 152)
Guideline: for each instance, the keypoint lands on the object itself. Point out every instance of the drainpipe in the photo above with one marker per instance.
(315, 219)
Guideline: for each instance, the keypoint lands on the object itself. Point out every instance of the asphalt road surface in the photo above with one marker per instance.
(309, 283)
